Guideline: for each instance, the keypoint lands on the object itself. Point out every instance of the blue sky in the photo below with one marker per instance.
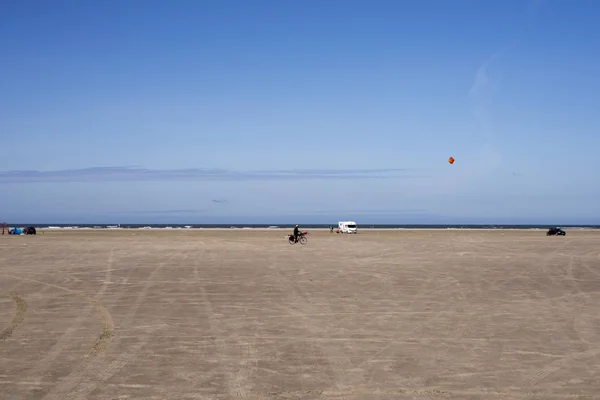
(308, 111)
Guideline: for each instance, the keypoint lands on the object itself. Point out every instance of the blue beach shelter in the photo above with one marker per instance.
(15, 231)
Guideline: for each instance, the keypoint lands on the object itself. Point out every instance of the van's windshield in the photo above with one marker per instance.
(351, 226)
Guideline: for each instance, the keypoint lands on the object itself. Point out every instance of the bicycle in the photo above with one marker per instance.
(301, 239)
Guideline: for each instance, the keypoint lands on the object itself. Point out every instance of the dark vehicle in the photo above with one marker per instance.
(30, 231)
(301, 238)
(555, 232)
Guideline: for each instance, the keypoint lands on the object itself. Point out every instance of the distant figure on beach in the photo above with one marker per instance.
(330, 230)
(296, 233)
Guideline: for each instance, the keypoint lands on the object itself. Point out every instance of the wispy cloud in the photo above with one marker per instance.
(481, 80)
(482, 92)
(106, 174)
(374, 211)
(219, 201)
(160, 212)
(486, 84)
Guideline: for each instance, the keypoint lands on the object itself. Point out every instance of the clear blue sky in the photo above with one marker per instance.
(300, 111)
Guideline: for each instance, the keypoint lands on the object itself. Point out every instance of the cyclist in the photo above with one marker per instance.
(296, 233)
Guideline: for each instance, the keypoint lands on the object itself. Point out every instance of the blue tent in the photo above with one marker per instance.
(15, 231)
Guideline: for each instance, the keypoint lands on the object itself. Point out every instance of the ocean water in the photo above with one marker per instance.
(303, 226)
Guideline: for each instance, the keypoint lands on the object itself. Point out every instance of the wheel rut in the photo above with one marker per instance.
(20, 309)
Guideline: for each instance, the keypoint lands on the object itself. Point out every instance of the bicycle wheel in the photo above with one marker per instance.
(291, 240)
(303, 240)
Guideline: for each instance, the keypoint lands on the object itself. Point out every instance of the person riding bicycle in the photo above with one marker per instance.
(296, 233)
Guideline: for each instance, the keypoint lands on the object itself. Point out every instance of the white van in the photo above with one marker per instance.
(347, 226)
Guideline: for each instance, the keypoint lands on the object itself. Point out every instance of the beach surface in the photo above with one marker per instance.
(242, 314)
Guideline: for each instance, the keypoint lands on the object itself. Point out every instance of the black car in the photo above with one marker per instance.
(30, 230)
(555, 232)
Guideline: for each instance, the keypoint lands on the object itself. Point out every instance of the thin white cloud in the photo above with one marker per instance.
(482, 92)
(485, 86)
(162, 212)
(107, 174)
(481, 80)
(482, 84)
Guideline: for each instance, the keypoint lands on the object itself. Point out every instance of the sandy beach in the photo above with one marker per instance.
(242, 314)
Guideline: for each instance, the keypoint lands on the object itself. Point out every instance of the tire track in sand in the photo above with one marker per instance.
(557, 365)
(8, 331)
(237, 384)
(46, 362)
(20, 309)
(107, 332)
(583, 299)
(102, 341)
(345, 376)
(540, 375)
(85, 378)
(101, 375)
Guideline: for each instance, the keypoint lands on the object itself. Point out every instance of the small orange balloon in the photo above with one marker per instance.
(451, 160)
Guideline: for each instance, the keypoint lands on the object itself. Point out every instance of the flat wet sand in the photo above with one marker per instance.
(241, 314)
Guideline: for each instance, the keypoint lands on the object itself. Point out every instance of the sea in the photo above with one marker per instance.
(303, 226)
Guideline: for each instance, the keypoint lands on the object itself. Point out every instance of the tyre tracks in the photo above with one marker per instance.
(422, 392)
(94, 371)
(20, 303)
(45, 363)
(555, 366)
(20, 309)
(238, 384)
(344, 374)
(101, 343)
(80, 385)
(593, 348)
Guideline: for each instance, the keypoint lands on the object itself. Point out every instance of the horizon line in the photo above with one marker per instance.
(365, 224)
